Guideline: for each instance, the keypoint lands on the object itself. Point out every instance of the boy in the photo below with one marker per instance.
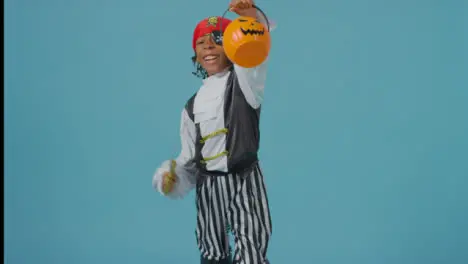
(220, 140)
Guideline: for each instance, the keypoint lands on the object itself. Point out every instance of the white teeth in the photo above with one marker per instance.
(210, 57)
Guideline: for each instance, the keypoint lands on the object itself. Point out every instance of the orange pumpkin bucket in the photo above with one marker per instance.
(246, 41)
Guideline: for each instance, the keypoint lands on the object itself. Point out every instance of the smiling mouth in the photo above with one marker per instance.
(210, 57)
(253, 32)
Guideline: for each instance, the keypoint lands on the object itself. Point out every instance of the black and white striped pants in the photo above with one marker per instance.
(240, 202)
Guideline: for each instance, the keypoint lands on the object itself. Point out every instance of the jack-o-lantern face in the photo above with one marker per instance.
(246, 28)
(246, 41)
(251, 26)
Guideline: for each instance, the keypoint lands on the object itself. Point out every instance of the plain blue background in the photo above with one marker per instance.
(364, 130)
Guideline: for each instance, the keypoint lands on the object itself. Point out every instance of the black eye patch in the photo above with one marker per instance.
(217, 37)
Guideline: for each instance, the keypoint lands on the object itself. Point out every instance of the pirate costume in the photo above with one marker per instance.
(220, 141)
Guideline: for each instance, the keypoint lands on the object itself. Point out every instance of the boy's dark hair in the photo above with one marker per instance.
(199, 72)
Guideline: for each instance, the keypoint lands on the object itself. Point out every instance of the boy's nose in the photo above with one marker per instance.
(209, 42)
(208, 46)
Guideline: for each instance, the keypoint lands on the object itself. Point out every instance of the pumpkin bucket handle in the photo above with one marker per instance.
(255, 6)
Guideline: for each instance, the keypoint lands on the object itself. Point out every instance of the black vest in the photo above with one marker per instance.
(242, 122)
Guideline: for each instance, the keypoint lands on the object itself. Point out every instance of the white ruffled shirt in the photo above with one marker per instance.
(209, 113)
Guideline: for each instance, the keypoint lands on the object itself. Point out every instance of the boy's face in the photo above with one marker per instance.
(210, 56)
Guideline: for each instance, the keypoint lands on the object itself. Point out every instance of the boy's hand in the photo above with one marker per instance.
(168, 182)
(169, 179)
(243, 8)
(165, 178)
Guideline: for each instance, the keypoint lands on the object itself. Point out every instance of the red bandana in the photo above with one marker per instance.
(207, 25)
